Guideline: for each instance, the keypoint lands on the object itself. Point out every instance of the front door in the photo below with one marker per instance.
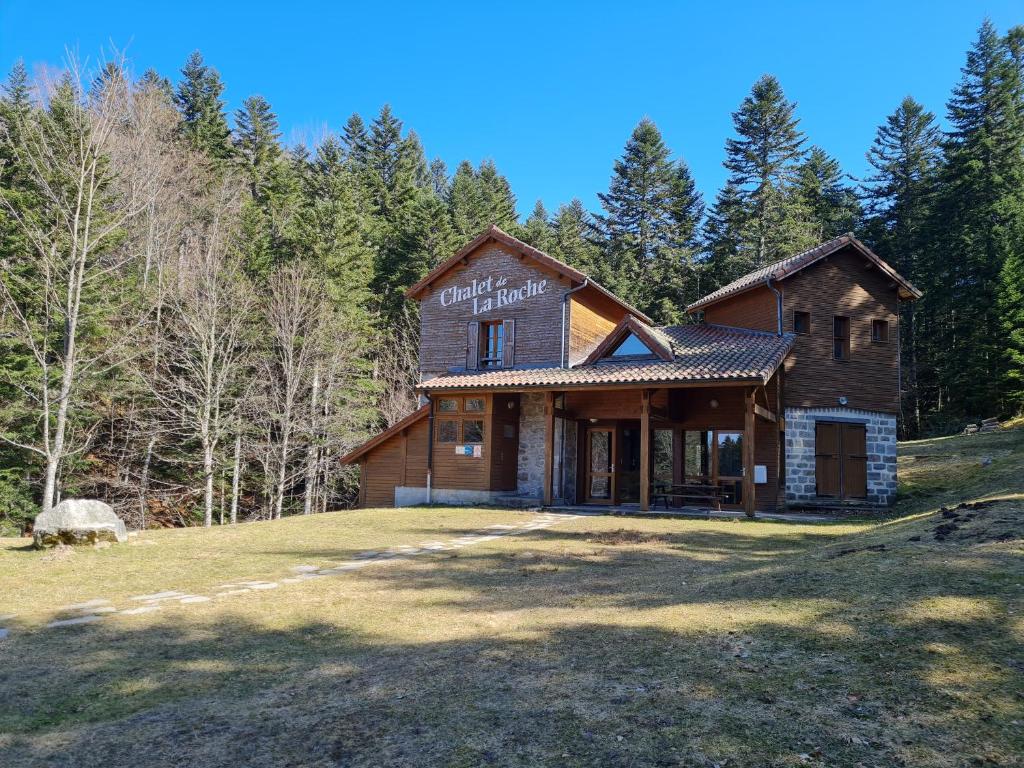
(840, 460)
(599, 485)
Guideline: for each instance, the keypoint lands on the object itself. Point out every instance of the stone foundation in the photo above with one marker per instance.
(880, 429)
(530, 474)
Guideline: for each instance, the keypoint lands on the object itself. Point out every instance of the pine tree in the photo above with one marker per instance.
(727, 240)
(898, 197)
(202, 110)
(763, 162)
(153, 79)
(978, 225)
(439, 181)
(652, 212)
(391, 165)
(1011, 313)
(496, 194)
(826, 205)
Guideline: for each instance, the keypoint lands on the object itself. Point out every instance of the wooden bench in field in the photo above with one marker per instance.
(688, 494)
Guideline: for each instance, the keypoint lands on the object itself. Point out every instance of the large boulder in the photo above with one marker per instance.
(78, 521)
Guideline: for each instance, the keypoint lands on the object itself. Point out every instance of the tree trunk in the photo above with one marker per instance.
(235, 477)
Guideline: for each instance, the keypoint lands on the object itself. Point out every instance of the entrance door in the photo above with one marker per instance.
(840, 460)
(600, 480)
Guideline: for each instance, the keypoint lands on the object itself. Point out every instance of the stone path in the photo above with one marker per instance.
(95, 610)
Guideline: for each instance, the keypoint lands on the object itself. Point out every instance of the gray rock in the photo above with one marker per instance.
(78, 521)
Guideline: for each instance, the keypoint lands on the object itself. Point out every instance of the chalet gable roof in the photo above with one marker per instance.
(654, 341)
(792, 264)
(420, 413)
(495, 233)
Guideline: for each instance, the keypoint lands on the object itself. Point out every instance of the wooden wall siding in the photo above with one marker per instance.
(463, 472)
(538, 319)
(754, 309)
(391, 464)
(588, 327)
(614, 404)
(842, 285)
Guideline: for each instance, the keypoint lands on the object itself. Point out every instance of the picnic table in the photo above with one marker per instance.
(691, 491)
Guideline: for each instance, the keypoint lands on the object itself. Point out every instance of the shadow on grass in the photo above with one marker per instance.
(602, 655)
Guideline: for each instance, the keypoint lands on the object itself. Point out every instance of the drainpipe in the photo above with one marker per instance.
(562, 362)
(778, 301)
(430, 448)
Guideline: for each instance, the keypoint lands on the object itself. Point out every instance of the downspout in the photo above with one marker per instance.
(778, 302)
(562, 362)
(430, 448)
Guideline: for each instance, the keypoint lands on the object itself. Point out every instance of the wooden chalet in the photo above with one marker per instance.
(539, 386)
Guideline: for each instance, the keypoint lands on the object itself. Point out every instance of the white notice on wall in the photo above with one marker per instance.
(760, 474)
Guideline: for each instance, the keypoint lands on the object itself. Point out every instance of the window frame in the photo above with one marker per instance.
(483, 433)
(799, 312)
(442, 409)
(487, 361)
(440, 432)
(881, 322)
(468, 400)
(846, 339)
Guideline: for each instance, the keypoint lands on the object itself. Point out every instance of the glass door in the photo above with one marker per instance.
(727, 455)
(600, 480)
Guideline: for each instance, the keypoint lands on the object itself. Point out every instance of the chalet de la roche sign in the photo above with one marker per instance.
(492, 293)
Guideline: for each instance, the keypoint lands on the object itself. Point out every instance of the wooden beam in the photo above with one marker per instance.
(748, 453)
(645, 450)
(764, 413)
(549, 445)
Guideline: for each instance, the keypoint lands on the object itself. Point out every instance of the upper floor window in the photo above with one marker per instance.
(841, 338)
(801, 322)
(492, 344)
(880, 331)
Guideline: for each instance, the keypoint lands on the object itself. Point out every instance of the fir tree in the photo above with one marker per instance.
(827, 205)
(256, 143)
(1011, 313)
(978, 226)
(763, 162)
(439, 178)
(153, 79)
(727, 240)
(652, 211)
(356, 140)
(202, 110)
(496, 195)
(898, 197)
(537, 229)
(573, 240)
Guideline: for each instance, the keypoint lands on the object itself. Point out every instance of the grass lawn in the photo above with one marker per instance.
(600, 641)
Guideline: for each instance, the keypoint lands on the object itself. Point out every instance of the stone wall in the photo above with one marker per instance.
(880, 429)
(530, 477)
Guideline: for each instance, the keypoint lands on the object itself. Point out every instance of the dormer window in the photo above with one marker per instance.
(631, 346)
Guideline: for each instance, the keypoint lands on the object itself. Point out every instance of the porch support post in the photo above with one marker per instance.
(748, 453)
(645, 450)
(549, 445)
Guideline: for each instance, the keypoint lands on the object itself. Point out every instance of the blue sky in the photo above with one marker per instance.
(549, 91)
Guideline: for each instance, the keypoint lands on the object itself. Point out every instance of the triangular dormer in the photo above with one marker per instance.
(631, 339)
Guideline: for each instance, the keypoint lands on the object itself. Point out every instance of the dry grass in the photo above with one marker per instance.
(599, 642)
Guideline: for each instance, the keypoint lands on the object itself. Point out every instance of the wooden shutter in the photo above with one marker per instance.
(472, 346)
(826, 458)
(508, 353)
(855, 461)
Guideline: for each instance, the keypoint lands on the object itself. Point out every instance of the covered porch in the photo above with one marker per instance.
(675, 449)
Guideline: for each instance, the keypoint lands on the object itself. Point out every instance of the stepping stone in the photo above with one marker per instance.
(434, 545)
(195, 599)
(368, 554)
(503, 527)
(304, 568)
(77, 620)
(233, 592)
(4, 633)
(141, 609)
(7, 616)
(105, 609)
(86, 605)
(159, 596)
(265, 585)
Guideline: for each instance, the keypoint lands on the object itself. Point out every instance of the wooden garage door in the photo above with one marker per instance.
(840, 459)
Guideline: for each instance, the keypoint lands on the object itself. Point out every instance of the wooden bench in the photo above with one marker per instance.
(688, 492)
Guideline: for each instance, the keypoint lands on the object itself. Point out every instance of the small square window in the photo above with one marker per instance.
(801, 322)
(472, 431)
(448, 405)
(880, 331)
(448, 431)
(474, 405)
